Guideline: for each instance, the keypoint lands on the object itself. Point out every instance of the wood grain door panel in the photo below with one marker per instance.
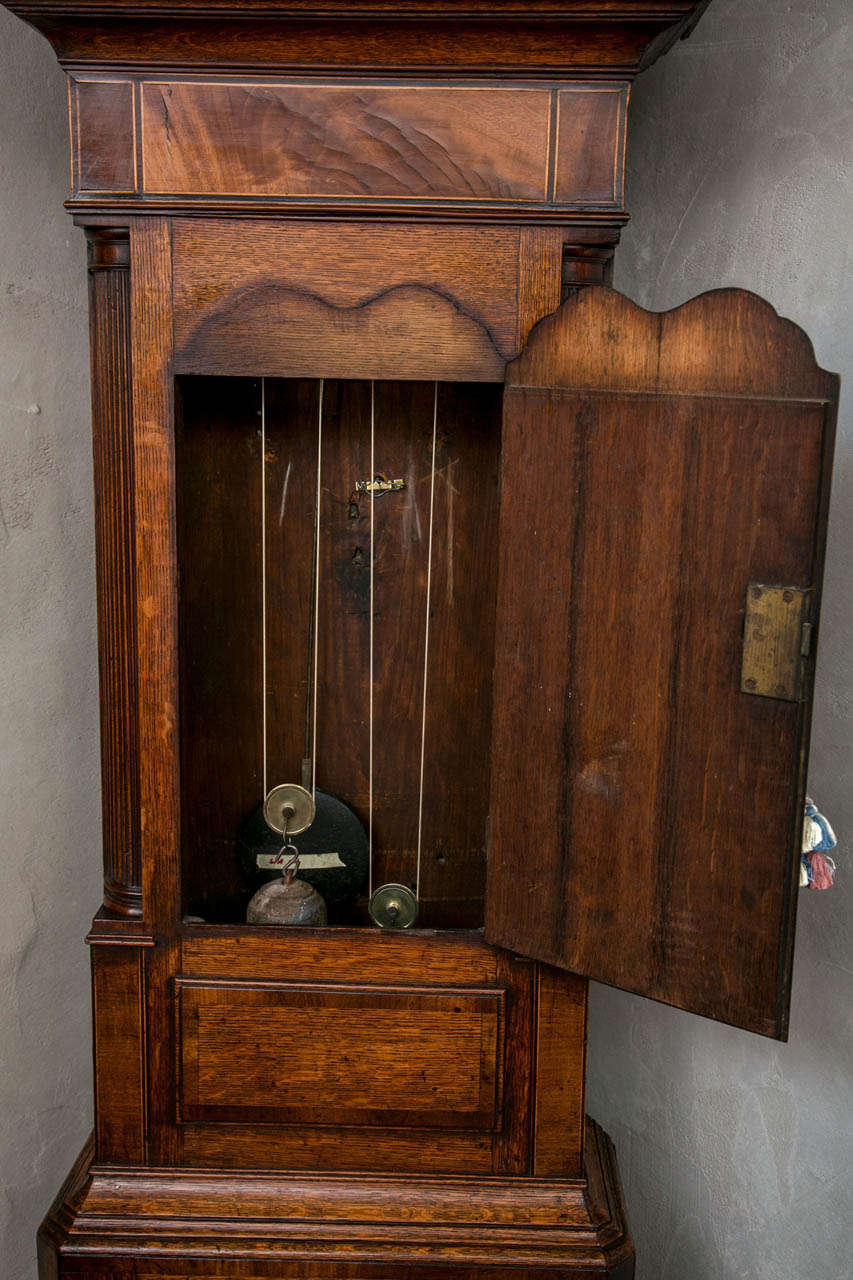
(654, 466)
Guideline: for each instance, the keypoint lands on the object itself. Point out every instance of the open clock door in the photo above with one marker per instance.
(664, 500)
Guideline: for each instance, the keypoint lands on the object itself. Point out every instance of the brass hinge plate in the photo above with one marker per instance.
(776, 639)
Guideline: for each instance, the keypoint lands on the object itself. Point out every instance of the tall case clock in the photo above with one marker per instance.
(457, 622)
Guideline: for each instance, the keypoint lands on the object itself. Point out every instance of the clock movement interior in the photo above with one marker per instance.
(336, 544)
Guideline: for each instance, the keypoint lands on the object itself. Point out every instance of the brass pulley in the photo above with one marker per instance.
(394, 906)
(289, 808)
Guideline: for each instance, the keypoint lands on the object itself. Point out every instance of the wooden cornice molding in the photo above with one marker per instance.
(577, 10)
(546, 37)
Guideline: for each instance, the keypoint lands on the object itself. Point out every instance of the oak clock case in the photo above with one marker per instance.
(456, 620)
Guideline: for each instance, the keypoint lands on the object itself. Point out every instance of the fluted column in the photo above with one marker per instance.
(109, 301)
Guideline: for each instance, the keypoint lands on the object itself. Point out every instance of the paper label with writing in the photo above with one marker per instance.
(307, 861)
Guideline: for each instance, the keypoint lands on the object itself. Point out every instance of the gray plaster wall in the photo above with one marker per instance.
(49, 800)
(734, 1151)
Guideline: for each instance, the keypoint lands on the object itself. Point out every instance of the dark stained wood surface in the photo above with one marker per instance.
(291, 414)
(219, 480)
(457, 726)
(403, 434)
(652, 467)
(549, 36)
(218, 511)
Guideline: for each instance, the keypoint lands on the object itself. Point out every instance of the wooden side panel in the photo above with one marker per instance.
(277, 1054)
(457, 708)
(118, 1005)
(661, 805)
(156, 565)
(558, 1121)
(218, 499)
(157, 630)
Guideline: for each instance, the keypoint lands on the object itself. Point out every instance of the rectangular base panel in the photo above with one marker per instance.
(111, 1223)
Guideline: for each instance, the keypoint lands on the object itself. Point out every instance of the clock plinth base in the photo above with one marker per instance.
(109, 1223)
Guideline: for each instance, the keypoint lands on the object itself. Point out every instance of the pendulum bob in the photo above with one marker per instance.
(333, 853)
(287, 901)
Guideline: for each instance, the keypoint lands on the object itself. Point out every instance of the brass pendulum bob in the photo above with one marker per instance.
(287, 901)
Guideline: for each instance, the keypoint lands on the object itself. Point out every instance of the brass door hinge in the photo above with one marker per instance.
(776, 639)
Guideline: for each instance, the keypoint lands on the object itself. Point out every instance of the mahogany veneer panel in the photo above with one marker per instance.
(661, 464)
(301, 140)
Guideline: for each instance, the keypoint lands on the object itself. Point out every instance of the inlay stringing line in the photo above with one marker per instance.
(316, 628)
(426, 642)
(370, 682)
(264, 583)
